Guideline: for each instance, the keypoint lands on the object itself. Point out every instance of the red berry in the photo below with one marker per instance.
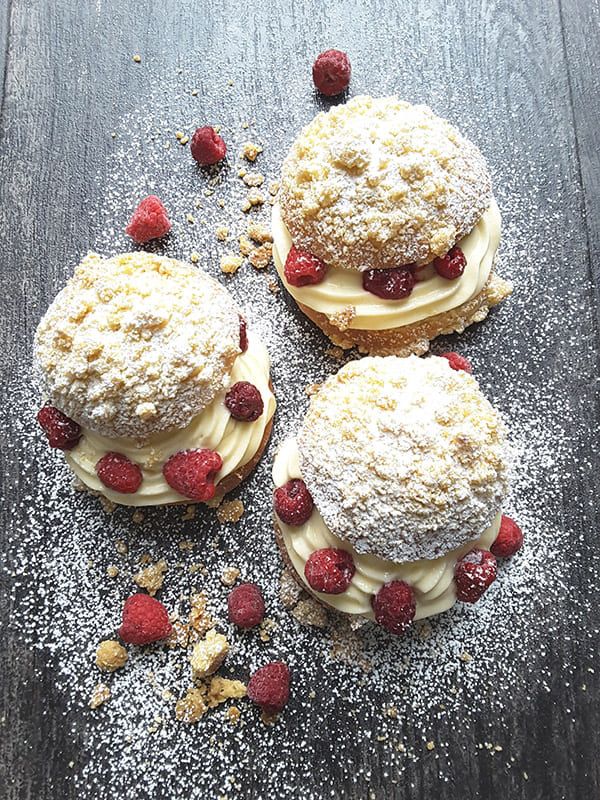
(244, 402)
(246, 605)
(192, 473)
(509, 539)
(457, 361)
(302, 268)
(390, 284)
(331, 72)
(145, 620)
(207, 146)
(452, 265)
(149, 221)
(473, 574)
(118, 473)
(243, 335)
(329, 570)
(269, 687)
(62, 432)
(293, 502)
(394, 606)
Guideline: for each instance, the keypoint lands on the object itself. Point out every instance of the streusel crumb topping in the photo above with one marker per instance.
(404, 457)
(137, 344)
(378, 183)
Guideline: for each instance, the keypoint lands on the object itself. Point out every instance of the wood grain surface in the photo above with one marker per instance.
(522, 77)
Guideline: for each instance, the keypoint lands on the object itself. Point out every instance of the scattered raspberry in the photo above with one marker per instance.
(246, 605)
(269, 687)
(329, 570)
(62, 432)
(145, 620)
(302, 268)
(509, 539)
(243, 335)
(293, 502)
(473, 574)
(243, 401)
(118, 473)
(457, 361)
(207, 146)
(149, 221)
(331, 72)
(192, 473)
(394, 606)
(390, 284)
(452, 265)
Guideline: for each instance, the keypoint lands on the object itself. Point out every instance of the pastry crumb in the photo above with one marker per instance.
(200, 618)
(259, 233)
(208, 654)
(260, 258)
(110, 655)
(231, 511)
(189, 513)
(112, 571)
(137, 516)
(137, 58)
(310, 612)
(192, 706)
(151, 578)
(229, 576)
(230, 263)
(233, 714)
(100, 694)
(254, 179)
(222, 233)
(250, 151)
(121, 547)
(222, 689)
(246, 246)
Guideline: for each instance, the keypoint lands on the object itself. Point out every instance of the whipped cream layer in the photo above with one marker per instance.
(236, 441)
(431, 580)
(432, 294)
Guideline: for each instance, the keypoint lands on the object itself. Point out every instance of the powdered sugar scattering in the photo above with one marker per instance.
(492, 656)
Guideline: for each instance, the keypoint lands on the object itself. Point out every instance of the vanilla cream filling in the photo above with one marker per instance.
(431, 295)
(237, 442)
(432, 581)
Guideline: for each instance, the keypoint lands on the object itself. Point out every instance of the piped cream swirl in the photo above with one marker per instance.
(342, 288)
(237, 442)
(431, 580)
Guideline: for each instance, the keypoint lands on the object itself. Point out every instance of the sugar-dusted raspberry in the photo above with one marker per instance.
(246, 605)
(149, 221)
(118, 473)
(62, 432)
(192, 473)
(243, 335)
(302, 268)
(269, 687)
(509, 539)
(473, 574)
(329, 570)
(293, 502)
(243, 401)
(394, 606)
(452, 265)
(207, 146)
(457, 361)
(331, 72)
(145, 620)
(390, 284)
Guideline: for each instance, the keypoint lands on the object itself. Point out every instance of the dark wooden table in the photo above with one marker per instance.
(521, 78)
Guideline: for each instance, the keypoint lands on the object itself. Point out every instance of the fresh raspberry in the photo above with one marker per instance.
(243, 401)
(246, 605)
(149, 221)
(293, 502)
(118, 473)
(302, 268)
(509, 539)
(394, 606)
(62, 432)
(390, 284)
(457, 361)
(329, 570)
(331, 72)
(192, 473)
(452, 265)
(207, 146)
(243, 335)
(473, 574)
(145, 620)
(269, 687)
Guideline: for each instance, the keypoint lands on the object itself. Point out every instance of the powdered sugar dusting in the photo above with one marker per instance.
(472, 661)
